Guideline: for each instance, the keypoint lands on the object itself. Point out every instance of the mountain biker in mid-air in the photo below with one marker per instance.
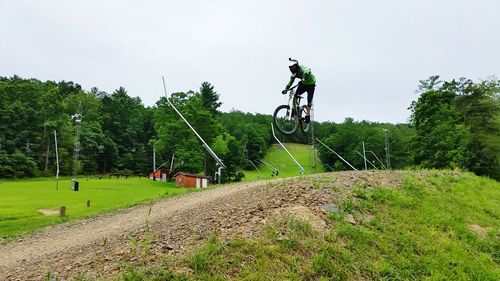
(307, 83)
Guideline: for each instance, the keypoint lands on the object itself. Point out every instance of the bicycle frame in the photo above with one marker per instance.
(293, 102)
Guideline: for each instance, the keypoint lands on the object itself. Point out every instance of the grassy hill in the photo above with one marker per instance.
(432, 225)
(278, 157)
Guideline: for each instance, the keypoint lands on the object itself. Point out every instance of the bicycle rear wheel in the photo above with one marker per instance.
(306, 127)
(285, 121)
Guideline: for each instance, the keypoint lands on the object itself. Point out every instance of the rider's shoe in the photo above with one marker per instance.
(307, 119)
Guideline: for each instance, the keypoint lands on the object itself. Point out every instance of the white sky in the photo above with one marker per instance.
(368, 56)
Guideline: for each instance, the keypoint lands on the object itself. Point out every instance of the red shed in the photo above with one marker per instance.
(189, 180)
(160, 175)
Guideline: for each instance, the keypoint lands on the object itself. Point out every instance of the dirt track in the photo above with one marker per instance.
(101, 246)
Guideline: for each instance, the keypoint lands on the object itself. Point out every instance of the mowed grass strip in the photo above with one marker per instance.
(438, 226)
(21, 201)
(287, 167)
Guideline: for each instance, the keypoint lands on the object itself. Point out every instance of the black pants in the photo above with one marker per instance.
(306, 88)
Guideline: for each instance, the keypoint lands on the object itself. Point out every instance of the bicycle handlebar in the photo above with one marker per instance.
(291, 88)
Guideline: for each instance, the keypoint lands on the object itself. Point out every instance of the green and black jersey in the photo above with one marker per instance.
(303, 73)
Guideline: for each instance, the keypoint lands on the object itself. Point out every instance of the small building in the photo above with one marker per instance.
(160, 175)
(189, 180)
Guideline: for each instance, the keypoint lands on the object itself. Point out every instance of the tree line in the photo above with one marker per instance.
(453, 125)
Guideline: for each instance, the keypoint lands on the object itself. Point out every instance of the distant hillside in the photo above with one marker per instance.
(278, 157)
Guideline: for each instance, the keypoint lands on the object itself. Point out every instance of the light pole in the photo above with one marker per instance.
(387, 153)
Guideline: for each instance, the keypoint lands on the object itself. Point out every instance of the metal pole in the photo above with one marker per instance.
(345, 161)
(57, 162)
(154, 157)
(291, 156)
(325, 165)
(220, 165)
(270, 164)
(191, 127)
(76, 150)
(387, 153)
(366, 160)
(313, 138)
(172, 162)
(364, 155)
(255, 166)
(271, 167)
(378, 159)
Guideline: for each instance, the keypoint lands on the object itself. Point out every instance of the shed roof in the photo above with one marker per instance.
(191, 175)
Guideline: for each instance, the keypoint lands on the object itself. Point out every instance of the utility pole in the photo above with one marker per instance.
(387, 153)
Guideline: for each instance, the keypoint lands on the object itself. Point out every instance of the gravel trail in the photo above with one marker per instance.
(100, 247)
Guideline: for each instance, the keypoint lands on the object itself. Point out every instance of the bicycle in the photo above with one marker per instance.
(288, 117)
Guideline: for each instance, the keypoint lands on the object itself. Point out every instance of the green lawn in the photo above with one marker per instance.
(21, 200)
(287, 167)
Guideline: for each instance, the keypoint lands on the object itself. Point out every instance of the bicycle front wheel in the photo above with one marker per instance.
(285, 121)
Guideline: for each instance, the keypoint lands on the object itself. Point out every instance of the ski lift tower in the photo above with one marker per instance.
(77, 117)
(218, 162)
(387, 153)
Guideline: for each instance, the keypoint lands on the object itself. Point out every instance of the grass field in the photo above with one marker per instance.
(20, 201)
(287, 167)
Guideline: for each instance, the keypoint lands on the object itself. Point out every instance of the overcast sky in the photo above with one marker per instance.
(367, 56)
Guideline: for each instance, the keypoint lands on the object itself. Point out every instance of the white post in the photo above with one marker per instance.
(291, 156)
(271, 167)
(378, 159)
(220, 165)
(366, 160)
(345, 161)
(57, 162)
(255, 167)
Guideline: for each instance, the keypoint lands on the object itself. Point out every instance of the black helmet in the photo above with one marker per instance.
(293, 65)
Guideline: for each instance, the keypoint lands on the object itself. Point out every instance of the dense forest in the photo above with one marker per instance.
(454, 124)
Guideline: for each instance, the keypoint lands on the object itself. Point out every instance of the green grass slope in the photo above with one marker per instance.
(437, 226)
(277, 156)
(20, 201)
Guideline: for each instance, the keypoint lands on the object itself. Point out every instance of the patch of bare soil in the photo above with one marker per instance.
(48, 212)
(102, 246)
(302, 213)
(479, 230)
